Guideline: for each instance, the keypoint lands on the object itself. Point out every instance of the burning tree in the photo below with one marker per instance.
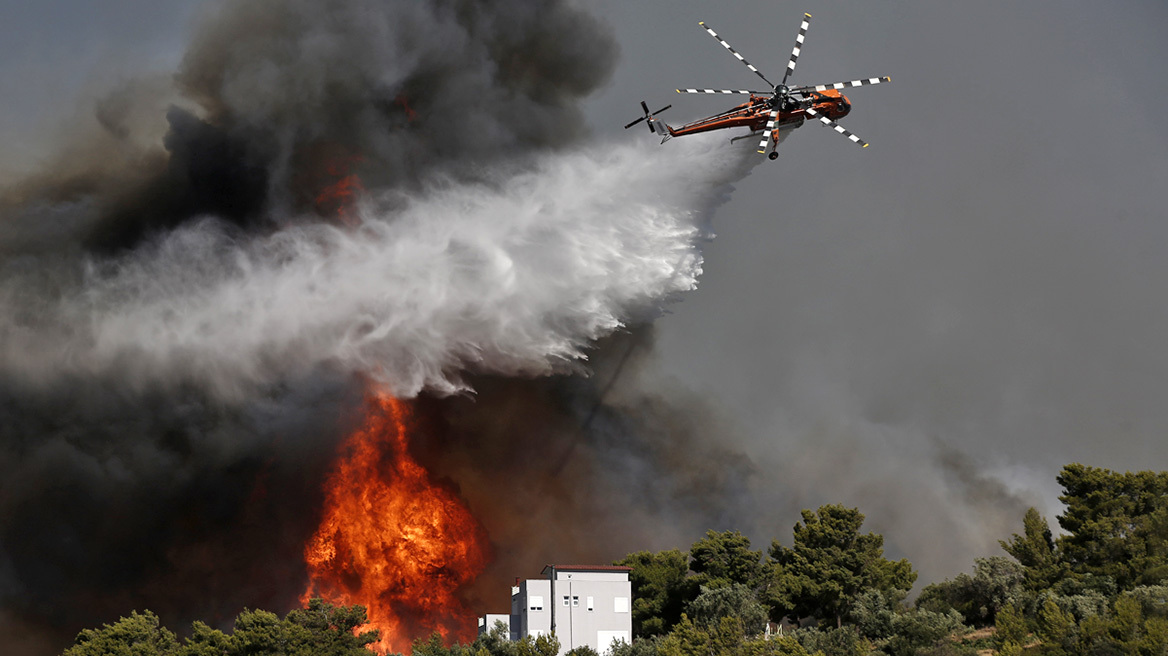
(393, 539)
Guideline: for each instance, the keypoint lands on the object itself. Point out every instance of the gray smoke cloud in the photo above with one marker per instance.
(186, 331)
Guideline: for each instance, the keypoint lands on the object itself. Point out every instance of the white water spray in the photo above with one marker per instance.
(516, 276)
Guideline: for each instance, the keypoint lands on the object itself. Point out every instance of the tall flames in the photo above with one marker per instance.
(393, 539)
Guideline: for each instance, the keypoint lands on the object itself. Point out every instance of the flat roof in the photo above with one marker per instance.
(586, 568)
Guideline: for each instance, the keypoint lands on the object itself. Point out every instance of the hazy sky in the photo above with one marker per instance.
(927, 328)
(984, 285)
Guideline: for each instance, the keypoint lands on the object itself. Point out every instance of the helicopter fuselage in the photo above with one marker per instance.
(755, 113)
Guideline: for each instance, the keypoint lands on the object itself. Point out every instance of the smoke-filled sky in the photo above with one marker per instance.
(927, 328)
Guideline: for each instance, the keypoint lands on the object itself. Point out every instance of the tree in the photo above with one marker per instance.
(320, 630)
(1056, 629)
(140, 634)
(722, 559)
(918, 630)
(726, 638)
(829, 565)
(1012, 631)
(660, 589)
(737, 601)
(996, 581)
(839, 641)
(1035, 552)
(1116, 524)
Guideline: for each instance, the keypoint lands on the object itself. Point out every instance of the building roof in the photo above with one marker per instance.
(586, 568)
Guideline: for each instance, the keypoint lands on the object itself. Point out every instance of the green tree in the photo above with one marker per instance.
(919, 630)
(835, 641)
(723, 559)
(1116, 524)
(996, 581)
(1035, 552)
(829, 564)
(140, 634)
(326, 629)
(737, 601)
(642, 647)
(1057, 630)
(726, 638)
(660, 589)
(320, 630)
(1012, 631)
(872, 615)
(544, 645)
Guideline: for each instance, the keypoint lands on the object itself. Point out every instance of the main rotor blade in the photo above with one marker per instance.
(735, 53)
(768, 133)
(798, 47)
(740, 92)
(841, 85)
(837, 127)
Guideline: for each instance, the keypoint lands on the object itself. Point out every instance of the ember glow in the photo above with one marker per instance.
(338, 197)
(393, 539)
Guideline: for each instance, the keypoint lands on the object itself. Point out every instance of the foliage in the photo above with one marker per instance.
(319, 630)
(996, 582)
(736, 601)
(723, 559)
(841, 641)
(584, 650)
(1153, 599)
(829, 565)
(1116, 524)
(1012, 630)
(1035, 552)
(140, 634)
(918, 630)
(726, 638)
(642, 647)
(660, 589)
(872, 615)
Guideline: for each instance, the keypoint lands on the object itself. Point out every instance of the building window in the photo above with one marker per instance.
(591, 605)
(535, 602)
(565, 601)
(575, 602)
(620, 605)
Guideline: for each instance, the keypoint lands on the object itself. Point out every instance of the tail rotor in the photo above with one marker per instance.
(650, 118)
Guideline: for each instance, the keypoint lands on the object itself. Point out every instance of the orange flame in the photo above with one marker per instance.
(392, 539)
(337, 198)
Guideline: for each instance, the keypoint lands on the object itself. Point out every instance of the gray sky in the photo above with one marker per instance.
(984, 283)
(927, 328)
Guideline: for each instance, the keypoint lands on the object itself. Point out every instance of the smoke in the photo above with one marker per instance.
(185, 334)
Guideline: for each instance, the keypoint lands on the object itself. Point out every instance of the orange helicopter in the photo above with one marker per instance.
(770, 114)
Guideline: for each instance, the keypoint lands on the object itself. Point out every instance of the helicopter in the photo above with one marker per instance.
(769, 114)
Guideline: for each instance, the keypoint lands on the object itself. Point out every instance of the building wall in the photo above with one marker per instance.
(592, 608)
(531, 609)
(587, 608)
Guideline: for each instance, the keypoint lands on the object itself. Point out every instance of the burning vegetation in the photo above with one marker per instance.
(392, 539)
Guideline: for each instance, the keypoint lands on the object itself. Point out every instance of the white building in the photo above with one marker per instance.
(581, 604)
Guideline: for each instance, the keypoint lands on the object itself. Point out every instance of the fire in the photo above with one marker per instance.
(392, 539)
(337, 198)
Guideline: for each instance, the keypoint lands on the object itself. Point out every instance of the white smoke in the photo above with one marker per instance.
(517, 275)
